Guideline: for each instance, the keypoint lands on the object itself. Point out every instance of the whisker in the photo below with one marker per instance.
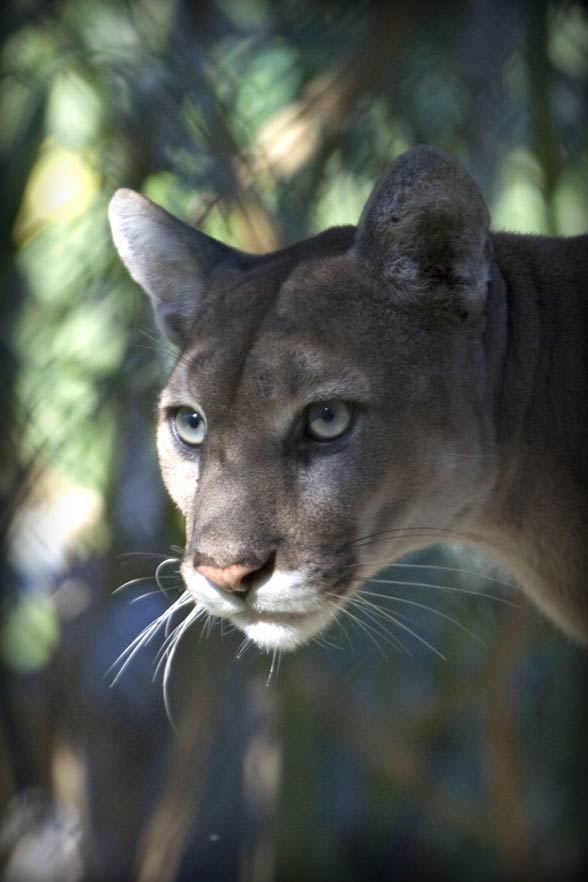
(356, 621)
(396, 642)
(452, 588)
(484, 576)
(140, 554)
(395, 620)
(324, 642)
(274, 666)
(158, 572)
(400, 532)
(343, 629)
(146, 635)
(132, 582)
(422, 535)
(157, 575)
(169, 620)
(370, 613)
(244, 646)
(164, 563)
(196, 613)
(371, 632)
(144, 595)
(158, 344)
(140, 640)
(170, 636)
(207, 628)
(416, 603)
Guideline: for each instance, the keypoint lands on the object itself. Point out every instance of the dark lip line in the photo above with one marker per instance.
(337, 591)
(340, 588)
(276, 618)
(339, 595)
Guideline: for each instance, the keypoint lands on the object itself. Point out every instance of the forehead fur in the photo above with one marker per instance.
(273, 326)
(285, 293)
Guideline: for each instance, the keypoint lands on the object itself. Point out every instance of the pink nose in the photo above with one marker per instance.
(227, 578)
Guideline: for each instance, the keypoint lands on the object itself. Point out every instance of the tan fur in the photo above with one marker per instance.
(462, 354)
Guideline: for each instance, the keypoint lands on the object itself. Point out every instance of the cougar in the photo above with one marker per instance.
(368, 392)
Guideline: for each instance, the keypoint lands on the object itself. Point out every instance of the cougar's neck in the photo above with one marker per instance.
(535, 520)
(543, 400)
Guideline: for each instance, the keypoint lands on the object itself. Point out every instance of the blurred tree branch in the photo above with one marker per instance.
(504, 751)
(293, 136)
(165, 834)
(395, 753)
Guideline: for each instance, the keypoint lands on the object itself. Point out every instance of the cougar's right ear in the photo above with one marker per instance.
(168, 259)
(424, 232)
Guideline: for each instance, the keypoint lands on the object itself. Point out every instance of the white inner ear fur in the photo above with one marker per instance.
(167, 258)
(153, 246)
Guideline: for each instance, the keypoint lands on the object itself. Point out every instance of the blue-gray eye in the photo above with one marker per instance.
(327, 420)
(190, 426)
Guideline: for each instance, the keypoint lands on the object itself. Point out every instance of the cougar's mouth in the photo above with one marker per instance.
(281, 612)
(282, 631)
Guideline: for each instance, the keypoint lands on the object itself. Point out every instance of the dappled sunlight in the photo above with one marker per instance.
(61, 188)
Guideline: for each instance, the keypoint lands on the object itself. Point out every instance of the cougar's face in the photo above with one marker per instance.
(308, 442)
(328, 411)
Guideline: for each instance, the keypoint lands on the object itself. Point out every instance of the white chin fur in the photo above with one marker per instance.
(285, 634)
(282, 614)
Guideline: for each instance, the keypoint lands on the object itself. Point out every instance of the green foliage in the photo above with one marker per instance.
(260, 123)
(29, 633)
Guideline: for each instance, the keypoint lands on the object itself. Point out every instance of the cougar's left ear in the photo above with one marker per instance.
(424, 230)
(168, 259)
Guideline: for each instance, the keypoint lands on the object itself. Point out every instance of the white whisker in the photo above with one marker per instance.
(244, 646)
(132, 582)
(147, 635)
(344, 631)
(157, 575)
(458, 570)
(416, 603)
(416, 534)
(196, 613)
(140, 555)
(274, 666)
(207, 628)
(396, 642)
(163, 650)
(326, 643)
(454, 589)
(402, 533)
(143, 596)
(160, 567)
(373, 633)
(395, 619)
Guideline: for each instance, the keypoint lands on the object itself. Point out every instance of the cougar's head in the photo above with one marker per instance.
(325, 413)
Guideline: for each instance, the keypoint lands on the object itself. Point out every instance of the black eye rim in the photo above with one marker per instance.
(172, 417)
(323, 402)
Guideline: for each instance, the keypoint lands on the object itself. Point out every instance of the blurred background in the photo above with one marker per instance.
(462, 756)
